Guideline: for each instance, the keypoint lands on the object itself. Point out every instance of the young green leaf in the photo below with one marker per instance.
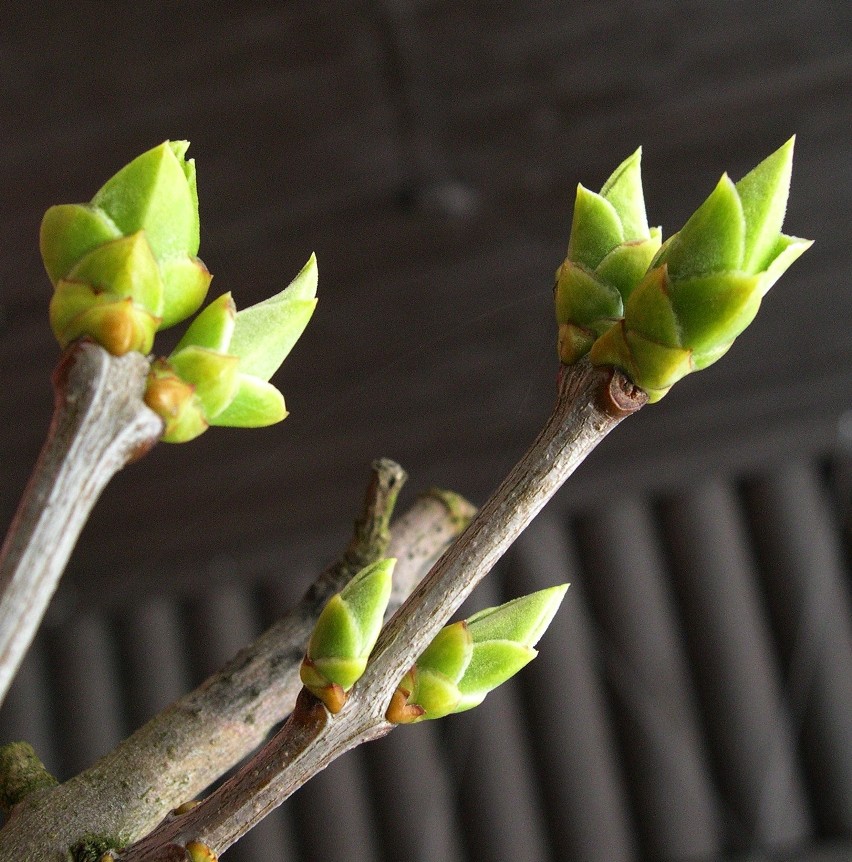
(468, 659)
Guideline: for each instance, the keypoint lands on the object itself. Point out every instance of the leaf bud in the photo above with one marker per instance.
(609, 250)
(468, 659)
(345, 634)
(706, 283)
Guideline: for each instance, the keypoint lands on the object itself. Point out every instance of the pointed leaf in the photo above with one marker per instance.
(524, 619)
(595, 229)
(265, 333)
(213, 326)
(714, 309)
(787, 249)
(491, 664)
(124, 267)
(713, 238)
(185, 284)
(153, 193)
(584, 299)
(649, 310)
(624, 191)
(336, 633)
(367, 596)
(256, 404)
(626, 264)
(763, 193)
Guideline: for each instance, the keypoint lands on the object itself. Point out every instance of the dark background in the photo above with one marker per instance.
(428, 152)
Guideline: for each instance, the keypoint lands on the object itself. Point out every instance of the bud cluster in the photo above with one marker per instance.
(125, 265)
(682, 308)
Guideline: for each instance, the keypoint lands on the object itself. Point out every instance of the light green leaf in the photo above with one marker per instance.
(68, 232)
(658, 366)
(213, 327)
(595, 229)
(265, 333)
(787, 249)
(124, 267)
(713, 238)
(583, 298)
(763, 192)
(435, 692)
(624, 191)
(255, 405)
(714, 309)
(627, 263)
(367, 596)
(449, 652)
(491, 664)
(649, 310)
(336, 633)
(185, 284)
(524, 619)
(153, 194)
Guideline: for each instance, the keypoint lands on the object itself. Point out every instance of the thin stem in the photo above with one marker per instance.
(182, 750)
(590, 403)
(100, 423)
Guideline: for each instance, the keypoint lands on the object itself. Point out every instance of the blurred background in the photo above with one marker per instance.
(694, 698)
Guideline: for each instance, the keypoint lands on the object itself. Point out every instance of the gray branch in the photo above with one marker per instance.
(182, 750)
(590, 403)
(100, 423)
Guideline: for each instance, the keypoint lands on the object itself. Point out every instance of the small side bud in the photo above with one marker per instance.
(199, 852)
(345, 634)
(468, 659)
(174, 401)
(227, 356)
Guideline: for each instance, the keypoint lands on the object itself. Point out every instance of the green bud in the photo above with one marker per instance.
(113, 294)
(200, 852)
(227, 356)
(345, 634)
(468, 659)
(706, 283)
(175, 401)
(152, 201)
(609, 251)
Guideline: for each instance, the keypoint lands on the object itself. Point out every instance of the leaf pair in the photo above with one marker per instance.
(470, 658)
(218, 374)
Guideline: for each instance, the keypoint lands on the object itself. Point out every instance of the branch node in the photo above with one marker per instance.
(620, 396)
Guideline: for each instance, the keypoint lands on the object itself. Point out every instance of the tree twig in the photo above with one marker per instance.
(182, 750)
(100, 423)
(590, 403)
